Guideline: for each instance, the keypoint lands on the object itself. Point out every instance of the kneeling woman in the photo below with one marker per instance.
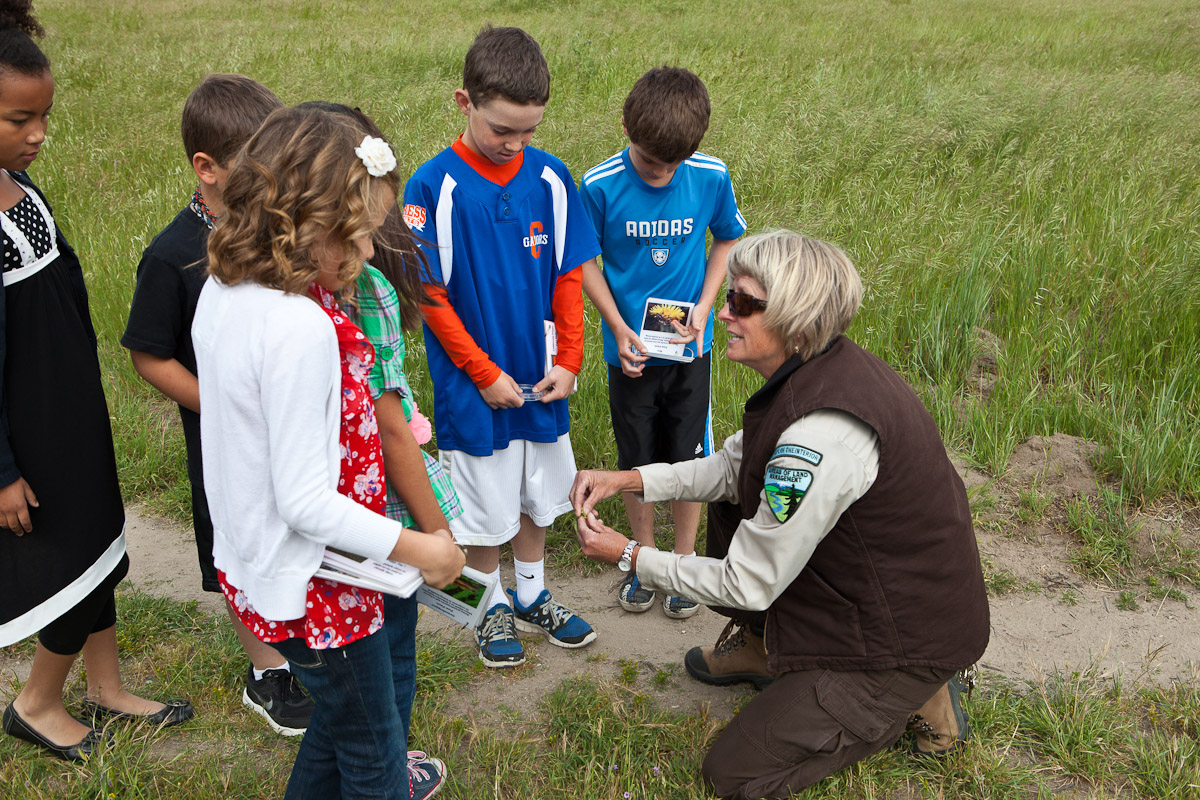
(839, 538)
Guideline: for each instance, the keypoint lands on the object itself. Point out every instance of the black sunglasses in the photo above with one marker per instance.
(743, 305)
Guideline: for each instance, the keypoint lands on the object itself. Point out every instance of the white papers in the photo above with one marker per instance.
(391, 577)
(461, 601)
(657, 330)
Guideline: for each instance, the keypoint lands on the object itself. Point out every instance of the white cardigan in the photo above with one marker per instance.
(270, 391)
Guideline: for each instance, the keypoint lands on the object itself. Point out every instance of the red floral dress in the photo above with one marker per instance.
(338, 614)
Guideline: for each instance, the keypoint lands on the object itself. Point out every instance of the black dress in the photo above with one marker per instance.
(58, 436)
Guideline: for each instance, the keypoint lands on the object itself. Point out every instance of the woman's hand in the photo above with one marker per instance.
(593, 485)
(15, 500)
(598, 541)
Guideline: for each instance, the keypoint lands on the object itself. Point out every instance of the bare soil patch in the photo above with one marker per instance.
(1051, 617)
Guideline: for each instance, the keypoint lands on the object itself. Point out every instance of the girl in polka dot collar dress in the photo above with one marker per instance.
(62, 541)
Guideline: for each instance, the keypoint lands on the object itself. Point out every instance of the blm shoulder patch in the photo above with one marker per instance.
(785, 489)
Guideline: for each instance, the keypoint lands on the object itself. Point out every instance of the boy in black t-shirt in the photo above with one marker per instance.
(219, 116)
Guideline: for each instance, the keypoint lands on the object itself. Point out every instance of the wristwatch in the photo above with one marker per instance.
(626, 562)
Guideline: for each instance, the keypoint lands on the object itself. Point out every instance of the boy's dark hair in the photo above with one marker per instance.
(18, 52)
(506, 63)
(396, 253)
(222, 113)
(666, 113)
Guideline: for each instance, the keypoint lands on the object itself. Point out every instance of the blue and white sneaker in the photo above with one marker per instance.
(425, 778)
(633, 596)
(677, 607)
(561, 625)
(497, 638)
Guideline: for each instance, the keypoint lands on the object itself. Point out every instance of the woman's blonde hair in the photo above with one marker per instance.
(297, 180)
(813, 290)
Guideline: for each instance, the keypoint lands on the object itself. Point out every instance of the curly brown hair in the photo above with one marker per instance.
(297, 181)
(397, 255)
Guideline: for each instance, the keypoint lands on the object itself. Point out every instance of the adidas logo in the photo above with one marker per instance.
(699, 449)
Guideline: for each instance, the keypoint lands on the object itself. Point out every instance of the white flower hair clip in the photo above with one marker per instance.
(376, 155)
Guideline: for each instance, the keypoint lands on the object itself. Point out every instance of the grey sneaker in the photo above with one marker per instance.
(633, 596)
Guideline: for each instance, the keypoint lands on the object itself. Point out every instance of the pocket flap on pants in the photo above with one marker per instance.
(851, 706)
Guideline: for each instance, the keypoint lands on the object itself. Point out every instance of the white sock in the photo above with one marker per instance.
(531, 580)
(687, 555)
(258, 673)
(497, 595)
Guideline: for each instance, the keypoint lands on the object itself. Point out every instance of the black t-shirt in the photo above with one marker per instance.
(169, 279)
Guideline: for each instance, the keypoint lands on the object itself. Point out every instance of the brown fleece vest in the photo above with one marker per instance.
(897, 581)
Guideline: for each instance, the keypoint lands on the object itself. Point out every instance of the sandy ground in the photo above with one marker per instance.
(1034, 631)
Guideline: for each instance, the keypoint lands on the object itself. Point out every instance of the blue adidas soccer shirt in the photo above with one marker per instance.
(653, 236)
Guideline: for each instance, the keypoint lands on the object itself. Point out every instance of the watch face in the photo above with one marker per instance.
(624, 565)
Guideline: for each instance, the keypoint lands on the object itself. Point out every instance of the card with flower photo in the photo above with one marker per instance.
(661, 322)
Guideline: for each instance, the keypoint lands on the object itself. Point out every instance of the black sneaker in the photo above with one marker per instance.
(280, 700)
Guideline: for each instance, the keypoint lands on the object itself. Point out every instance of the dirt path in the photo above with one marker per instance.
(1056, 619)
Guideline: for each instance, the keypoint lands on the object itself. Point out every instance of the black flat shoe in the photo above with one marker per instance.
(18, 728)
(176, 711)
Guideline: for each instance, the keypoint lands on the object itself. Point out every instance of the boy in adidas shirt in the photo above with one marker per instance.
(651, 205)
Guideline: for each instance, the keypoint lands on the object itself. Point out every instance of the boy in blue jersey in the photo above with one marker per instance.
(505, 234)
(651, 205)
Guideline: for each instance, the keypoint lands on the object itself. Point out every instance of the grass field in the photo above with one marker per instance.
(1025, 169)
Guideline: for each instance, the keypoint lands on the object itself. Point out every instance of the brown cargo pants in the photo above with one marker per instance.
(812, 723)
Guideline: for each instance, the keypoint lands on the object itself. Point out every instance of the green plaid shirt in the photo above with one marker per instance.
(378, 315)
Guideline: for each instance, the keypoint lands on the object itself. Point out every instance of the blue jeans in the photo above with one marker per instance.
(356, 744)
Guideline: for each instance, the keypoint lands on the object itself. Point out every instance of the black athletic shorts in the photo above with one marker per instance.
(664, 415)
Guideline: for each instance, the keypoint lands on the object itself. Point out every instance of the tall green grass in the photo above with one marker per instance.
(1026, 168)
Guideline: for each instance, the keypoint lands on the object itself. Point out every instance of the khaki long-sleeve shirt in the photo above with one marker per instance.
(769, 550)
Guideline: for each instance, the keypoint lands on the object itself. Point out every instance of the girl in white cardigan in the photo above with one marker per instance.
(292, 461)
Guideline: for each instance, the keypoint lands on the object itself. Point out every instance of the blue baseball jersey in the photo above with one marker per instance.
(653, 236)
(499, 251)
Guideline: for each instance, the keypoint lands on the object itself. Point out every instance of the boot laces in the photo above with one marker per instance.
(731, 639)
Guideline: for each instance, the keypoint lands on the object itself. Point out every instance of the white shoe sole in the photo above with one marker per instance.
(262, 712)
(533, 627)
(690, 612)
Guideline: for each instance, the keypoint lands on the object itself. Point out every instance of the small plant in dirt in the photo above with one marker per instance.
(1069, 597)
(999, 581)
(1106, 534)
(1127, 601)
(629, 671)
(1157, 590)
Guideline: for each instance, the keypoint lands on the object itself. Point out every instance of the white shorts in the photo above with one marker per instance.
(532, 478)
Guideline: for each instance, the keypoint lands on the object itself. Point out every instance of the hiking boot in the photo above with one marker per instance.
(633, 596)
(561, 625)
(425, 778)
(677, 607)
(941, 726)
(497, 638)
(280, 700)
(739, 655)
